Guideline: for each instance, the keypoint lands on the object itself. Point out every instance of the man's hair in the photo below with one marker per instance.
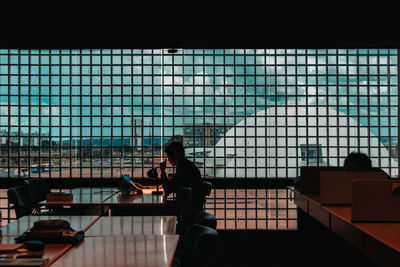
(357, 161)
(175, 148)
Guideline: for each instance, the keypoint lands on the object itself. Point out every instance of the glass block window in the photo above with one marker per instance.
(241, 113)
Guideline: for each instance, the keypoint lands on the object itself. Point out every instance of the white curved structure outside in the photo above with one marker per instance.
(268, 146)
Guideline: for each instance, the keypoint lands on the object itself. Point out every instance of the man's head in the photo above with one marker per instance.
(175, 153)
(357, 161)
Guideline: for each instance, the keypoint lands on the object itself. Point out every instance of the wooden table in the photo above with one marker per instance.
(133, 225)
(132, 250)
(85, 196)
(379, 241)
(98, 201)
(50, 251)
(131, 200)
(22, 224)
(134, 204)
(85, 201)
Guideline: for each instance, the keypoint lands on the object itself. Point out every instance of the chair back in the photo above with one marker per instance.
(38, 189)
(206, 219)
(206, 188)
(20, 198)
(200, 246)
(205, 191)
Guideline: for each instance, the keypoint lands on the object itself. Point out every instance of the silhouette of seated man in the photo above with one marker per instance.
(357, 162)
(360, 162)
(186, 174)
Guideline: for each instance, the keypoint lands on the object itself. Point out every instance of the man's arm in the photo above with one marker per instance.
(170, 185)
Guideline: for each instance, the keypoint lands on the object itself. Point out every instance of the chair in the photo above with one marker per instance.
(38, 189)
(190, 211)
(206, 219)
(200, 247)
(20, 198)
(205, 191)
(201, 218)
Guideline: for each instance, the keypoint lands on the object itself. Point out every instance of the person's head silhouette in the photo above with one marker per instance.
(175, 153)
(357, 161)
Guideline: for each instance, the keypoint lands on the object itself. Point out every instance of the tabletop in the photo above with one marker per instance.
(118, 251)
(22, 224)
(85, 196)
(133, 225)
(385, 232)
(50, 251)
(135, 200)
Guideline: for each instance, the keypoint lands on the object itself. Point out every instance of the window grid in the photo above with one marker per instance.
(232, 108)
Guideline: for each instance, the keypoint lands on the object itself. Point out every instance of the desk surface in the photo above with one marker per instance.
(136, 250)
(149, 189)
(85, 197)
(133, 225)
(22, 224)
(387, 233)
(135, 200)
(51, 251)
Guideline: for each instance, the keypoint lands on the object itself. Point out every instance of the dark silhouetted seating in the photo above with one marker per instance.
(20, 197)
(201, 218)
(200, 247)
(182, 207)
(38, 189)
(192, 211)
(206, 188)
(206, 219)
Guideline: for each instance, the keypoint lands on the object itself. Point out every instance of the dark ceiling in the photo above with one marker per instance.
(258, 27)
(222, 39)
